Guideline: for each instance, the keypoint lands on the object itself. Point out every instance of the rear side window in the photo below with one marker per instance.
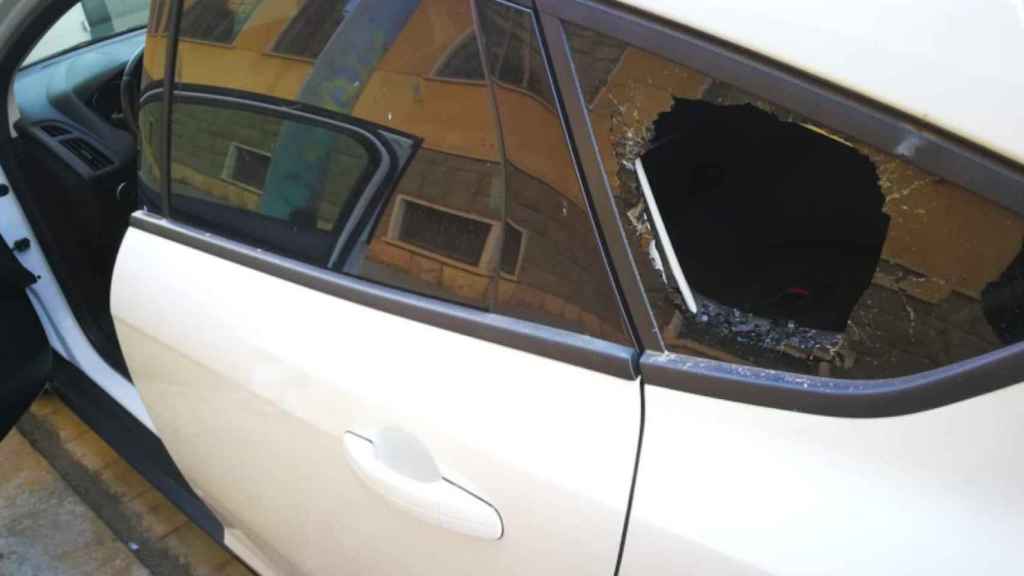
(798, 248)
(364, 137)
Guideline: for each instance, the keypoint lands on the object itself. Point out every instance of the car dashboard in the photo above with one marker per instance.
(70, 110)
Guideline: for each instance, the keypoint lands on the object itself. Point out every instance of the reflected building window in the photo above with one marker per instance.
(463, 61)
(218, 21)
(312, 26)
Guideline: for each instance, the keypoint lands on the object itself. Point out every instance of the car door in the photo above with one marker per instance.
(833, 349)
(25, 353)
(370, 315)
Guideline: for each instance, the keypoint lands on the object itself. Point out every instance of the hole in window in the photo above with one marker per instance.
(768, 217)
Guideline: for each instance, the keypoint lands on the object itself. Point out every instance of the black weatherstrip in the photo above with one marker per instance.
(132, 441)
(887, 129)
(171, 66)
(577, 349)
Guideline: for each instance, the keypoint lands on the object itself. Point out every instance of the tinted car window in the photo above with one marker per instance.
(806, 250)
(453, 208)
(229, 176)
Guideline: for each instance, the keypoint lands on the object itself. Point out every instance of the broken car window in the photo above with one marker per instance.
(805, 250)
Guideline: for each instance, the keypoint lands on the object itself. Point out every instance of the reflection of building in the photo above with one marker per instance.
(945, 244)
(525, 243)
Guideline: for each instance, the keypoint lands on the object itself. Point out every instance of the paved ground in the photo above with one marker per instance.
(69, 505)
(45, 528)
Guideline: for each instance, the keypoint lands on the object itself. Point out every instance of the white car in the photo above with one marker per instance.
(532, 287)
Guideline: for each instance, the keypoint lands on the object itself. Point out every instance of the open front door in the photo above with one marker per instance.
(25, 354)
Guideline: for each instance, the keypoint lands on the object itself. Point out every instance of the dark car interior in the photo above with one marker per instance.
(75, 160)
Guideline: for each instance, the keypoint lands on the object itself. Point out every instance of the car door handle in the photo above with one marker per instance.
(427, 495)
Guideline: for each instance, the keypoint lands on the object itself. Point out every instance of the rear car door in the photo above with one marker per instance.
(367, 307)
(840, 391)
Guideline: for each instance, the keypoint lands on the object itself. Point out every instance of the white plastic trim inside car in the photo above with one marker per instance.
(13, 114)
(664, 242)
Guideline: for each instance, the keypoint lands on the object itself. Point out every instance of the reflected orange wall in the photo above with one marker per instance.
(455, 117)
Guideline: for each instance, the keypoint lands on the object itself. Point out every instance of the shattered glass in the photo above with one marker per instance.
(948, 284)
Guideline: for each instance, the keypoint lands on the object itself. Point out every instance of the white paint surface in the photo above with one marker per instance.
(729, 488)
(953, 63)
(253, 381)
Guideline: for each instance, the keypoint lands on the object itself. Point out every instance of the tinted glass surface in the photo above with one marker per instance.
(460, 211)
(226, 171)
(807, 251)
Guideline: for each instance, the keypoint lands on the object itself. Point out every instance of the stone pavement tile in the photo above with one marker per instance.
(65, 423)
(110, 559)
(236, 568)
(156, 516)
(45, 528)
(91, 451)
(25, 478)
(45, 404)
(122, 480)
(195, 549)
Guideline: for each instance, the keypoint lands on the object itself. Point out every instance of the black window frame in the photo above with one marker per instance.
(936, 151)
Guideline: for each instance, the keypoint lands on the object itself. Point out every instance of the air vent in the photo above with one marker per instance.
(54, 131)
(88, 154)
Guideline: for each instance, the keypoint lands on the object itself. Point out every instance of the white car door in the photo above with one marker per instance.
(367, 308)
(806, 413)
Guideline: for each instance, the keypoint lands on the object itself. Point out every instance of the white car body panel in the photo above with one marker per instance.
(253, 381)
(730, 488)
(952, 63)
